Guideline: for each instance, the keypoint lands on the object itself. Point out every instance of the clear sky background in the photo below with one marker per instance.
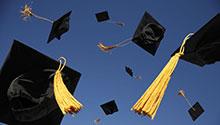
(103, 76)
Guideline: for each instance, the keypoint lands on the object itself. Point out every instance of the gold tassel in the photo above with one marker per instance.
(26, 12)
(150, 101)
(105, 48)
(66, 102)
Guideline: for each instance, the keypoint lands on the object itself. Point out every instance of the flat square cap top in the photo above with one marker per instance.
(109, 107)
(148, 34)
(102, 16)
(196, 111)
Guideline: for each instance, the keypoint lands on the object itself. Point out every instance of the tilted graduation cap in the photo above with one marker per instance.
(27, 96)
(129, 71)
(109, 107)
(148, 34)
(104, 17)
(59, 27)
(196, 111)
(204, 46)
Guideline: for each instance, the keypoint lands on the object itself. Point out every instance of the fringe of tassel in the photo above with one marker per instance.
(150, 101)
(66, 102)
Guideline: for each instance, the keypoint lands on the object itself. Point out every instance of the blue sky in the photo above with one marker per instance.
(103, 77)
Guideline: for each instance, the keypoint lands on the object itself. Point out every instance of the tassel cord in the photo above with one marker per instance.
(41, 18)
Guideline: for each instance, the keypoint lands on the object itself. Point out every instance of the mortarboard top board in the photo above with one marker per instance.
(26, 88)
(129, 71)
(195, 111)
(59, 27)
(204, 46)
(148, 34)
(109, 107)
(102, 16)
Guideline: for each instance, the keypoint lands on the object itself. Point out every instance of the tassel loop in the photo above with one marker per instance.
(62, 64)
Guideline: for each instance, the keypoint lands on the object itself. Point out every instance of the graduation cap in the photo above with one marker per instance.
(204, 46)
(109, 107)
(130, 73)
(26, 92)
(195, 110)
(59, 27)
(148, 35)
(104, 18)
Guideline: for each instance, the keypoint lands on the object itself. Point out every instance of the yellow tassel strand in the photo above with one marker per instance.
(105, 48)
(65, 100)
(150, 101)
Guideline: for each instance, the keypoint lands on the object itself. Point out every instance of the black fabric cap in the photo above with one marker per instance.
(148, 34)
(204, 46)
(26, 91)
(129, 71)
(59, 27)
(102, 16)
(109, 107)
(195, 111)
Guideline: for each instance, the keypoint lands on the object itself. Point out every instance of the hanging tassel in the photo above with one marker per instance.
(26, 12)
(65, 100)
(150, 101)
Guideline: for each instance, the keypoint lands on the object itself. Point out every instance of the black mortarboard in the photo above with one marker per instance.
(59, 27)
(109, 107)
(195, 111)
(129, 71)
(26, 91)
(204, 46)
(148, 34)
(102, 16)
